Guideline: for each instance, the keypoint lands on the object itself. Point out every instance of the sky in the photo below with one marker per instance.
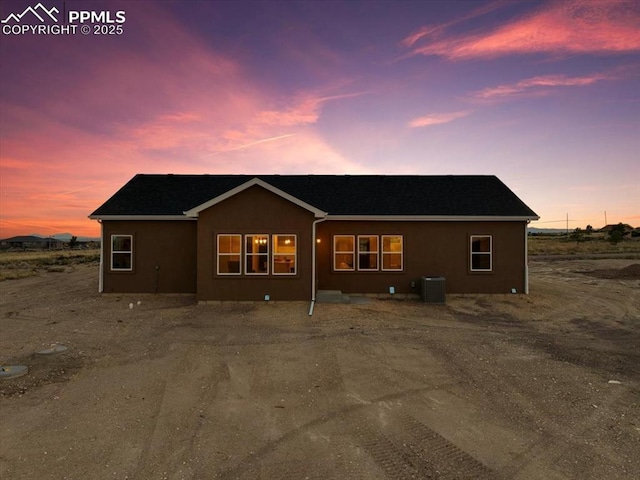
(544, 95)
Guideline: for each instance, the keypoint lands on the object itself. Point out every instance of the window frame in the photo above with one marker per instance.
(258, 254)
(383, 253)
(129, 252)
(274, 254)
(225, 254)
(344, 252)
(472, 253)
(369, 252)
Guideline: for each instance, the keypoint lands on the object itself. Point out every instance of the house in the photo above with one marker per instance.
(243, 237)
(32, 242)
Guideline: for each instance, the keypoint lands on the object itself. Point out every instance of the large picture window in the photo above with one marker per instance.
(344, 252)
(228, 254)
(284, 254)
(122, 253)
(368, 252)
(392, 253)
(256, 250)
(481, 253)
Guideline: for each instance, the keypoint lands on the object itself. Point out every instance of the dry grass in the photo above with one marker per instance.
(30, 263)
(560, 245)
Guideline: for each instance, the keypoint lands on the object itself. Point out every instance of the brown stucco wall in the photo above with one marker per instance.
(170, 245)
(254, 211)
(430, 249)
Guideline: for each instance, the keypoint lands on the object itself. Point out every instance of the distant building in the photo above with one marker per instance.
(608, 228)
(31, 242)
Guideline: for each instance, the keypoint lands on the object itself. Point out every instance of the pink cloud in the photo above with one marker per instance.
(537, 86)
(437, 118)
(567, 27)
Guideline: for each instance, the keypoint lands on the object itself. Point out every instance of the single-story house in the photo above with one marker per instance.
(32, 242)
(284, 237)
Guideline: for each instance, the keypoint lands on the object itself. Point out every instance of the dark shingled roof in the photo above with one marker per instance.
(446, 195)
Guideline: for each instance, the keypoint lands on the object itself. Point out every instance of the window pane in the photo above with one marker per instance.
(229, 264)
(368, 261)
(481, 244)
(481, 261)
(392, 261)
(228, 243)
(284, 244)
(344, 261)
(121, 243)
(343, 244)
(122, 261)
(391, 244)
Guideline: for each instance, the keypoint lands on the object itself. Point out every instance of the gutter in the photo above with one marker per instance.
(101, 274)
(313, 263)
(526, 257)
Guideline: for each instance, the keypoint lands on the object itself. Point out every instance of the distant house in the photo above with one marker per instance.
(31, 242)
(608, 228)
(242, 237)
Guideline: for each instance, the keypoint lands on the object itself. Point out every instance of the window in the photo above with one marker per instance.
(343, 252)
(122, 253)
(392, 252)
(229, 254)
(256, 250)
(284, 254)
(481, 260)
(367, 252)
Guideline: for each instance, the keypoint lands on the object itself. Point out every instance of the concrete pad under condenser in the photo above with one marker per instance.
(13, 371)
(53, 350)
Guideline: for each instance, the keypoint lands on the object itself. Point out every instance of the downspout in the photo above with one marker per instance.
(526, 259)
(101, 274)
(313, 263)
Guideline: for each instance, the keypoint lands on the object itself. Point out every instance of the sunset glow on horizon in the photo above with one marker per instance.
(544, 95)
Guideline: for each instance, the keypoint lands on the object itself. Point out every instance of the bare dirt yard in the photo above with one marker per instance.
(545, 386)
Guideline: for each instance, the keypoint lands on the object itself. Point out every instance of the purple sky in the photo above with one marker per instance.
(545, 95)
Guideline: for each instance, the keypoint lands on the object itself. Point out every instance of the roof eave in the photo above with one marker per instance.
(435, 218)
(140, 217)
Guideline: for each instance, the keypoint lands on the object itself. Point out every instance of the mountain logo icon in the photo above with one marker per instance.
(39, 11)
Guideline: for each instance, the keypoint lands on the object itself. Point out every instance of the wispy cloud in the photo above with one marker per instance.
(437, 118)
(536, 86)
(257, 142)
(566, 27)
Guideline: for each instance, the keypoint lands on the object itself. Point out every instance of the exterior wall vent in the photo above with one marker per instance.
(432, 289)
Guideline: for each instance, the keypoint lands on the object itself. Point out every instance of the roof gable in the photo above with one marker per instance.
(193, 212)
(364, 196)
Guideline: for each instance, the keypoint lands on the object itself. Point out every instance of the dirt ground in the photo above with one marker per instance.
(545, 386)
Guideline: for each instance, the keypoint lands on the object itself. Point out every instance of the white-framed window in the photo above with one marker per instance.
(122, 253)
(392, 253)
(228, 254)
(368, 252)
(344, 253)
(481, 252)
(284, 254)
(256, 252)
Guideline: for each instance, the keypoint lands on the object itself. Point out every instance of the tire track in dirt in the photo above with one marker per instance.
(178, 419)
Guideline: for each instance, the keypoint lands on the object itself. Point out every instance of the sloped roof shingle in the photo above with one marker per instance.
(413, 195)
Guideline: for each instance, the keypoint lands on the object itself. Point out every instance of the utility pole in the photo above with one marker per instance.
(605, 218)
(567, 224)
